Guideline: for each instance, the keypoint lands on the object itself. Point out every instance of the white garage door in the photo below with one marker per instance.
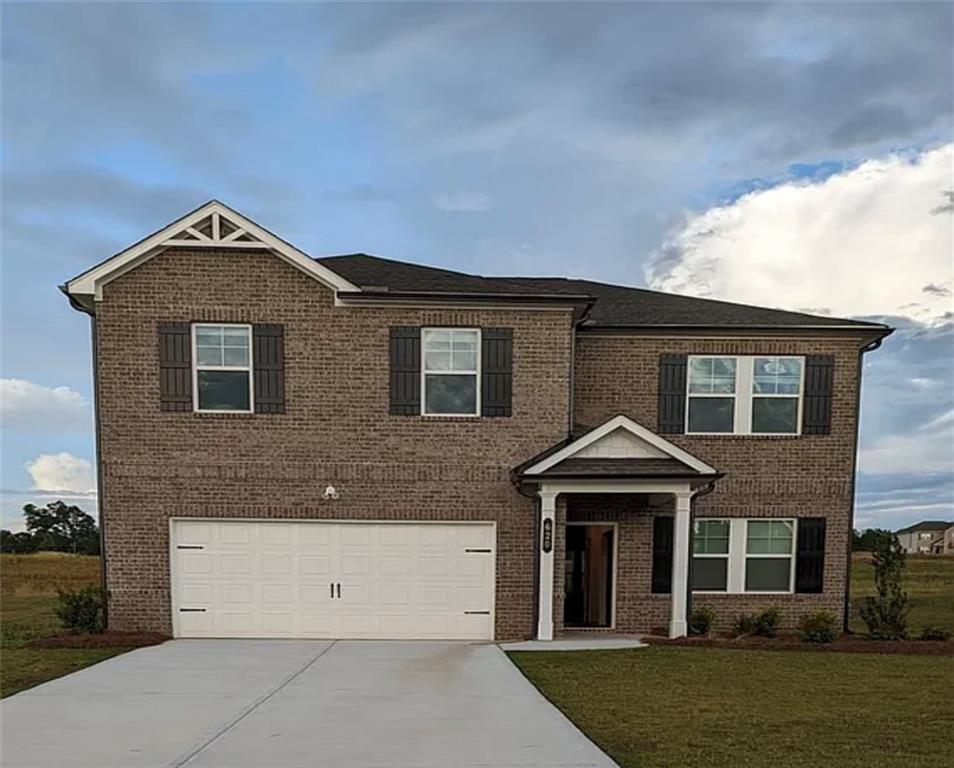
(333, 580)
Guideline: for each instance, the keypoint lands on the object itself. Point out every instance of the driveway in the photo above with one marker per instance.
(301, 704)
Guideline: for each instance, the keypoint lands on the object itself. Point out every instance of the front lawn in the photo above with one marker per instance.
(708, 708)
(26, 612)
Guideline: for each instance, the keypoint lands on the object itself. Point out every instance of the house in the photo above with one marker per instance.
(362, 448)
(927, 537)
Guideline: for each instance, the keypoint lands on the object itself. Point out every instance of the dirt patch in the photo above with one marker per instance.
(101, 640)
(844, 644)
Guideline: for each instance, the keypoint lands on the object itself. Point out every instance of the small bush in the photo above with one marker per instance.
(934, 633)
(886, 614)
(764, 624)
(82, 610)
(700, 621)
(821, 627)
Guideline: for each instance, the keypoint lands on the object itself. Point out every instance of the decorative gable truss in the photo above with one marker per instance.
(213, 225)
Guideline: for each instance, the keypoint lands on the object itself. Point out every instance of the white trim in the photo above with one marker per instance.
(727, 555)
(613, 578)
(738, 556)
(545, 580)
(621, 422)
(743, 395)
(91, 282)
(679, 587)
(249, 368)
(174, 592)
(475, 373)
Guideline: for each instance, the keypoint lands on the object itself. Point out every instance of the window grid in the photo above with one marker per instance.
(738, 556)
(772, 527)
(225, 332)
(454, 336)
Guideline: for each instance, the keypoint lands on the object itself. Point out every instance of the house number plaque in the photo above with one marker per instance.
(548, 535)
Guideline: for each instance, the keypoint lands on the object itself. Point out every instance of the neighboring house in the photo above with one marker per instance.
(362, 448)
(927, 537)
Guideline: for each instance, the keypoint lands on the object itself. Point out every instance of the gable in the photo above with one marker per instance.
(621, 440)
(213, 225)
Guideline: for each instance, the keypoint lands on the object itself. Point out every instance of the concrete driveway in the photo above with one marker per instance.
(307, 704)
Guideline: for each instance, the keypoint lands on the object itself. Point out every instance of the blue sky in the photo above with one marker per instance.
(609, 141)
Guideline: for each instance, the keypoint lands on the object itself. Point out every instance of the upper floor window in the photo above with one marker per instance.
(451, 368)
(744, 395)
(222, 371)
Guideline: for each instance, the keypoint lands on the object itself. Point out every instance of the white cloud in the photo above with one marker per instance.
(874, 240)
(468, 202)
(29, 406)
(927, 449)
(62, 472)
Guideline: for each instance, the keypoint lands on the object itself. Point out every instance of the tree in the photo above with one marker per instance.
(867, 540)
(20, 543)
(886, 614)
(62, 528)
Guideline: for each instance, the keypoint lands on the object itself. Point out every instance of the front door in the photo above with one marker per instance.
(588, 576)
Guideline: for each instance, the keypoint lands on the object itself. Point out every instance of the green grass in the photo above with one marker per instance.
(929, 581)
(714, 708)
(26, 612)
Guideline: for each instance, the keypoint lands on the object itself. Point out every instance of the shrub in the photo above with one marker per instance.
(700, 621)
(764, 624)
(934, 633)
(82, 610)
(886, 614)
(821, 627)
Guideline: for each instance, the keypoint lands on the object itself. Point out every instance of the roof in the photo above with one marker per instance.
(613, 305)
(927, 525)
(641, 468)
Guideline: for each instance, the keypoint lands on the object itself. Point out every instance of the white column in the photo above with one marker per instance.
(680, 565)
(545, 606)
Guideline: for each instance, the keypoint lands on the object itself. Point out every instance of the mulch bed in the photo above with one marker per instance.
(101, 640)
(844, 644)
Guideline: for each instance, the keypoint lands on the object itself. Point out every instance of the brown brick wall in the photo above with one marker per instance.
(806, 476)
(336, 430)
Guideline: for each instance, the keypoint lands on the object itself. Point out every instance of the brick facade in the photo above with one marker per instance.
(337, 430)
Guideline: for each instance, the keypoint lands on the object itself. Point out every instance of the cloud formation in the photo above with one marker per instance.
(53, 472)
(25, 405)
(861, 242)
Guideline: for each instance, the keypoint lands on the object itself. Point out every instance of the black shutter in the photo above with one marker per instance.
(405, 377)
(662, 555)
(672, 394)
(268, 361)
(810, 555)
(496, 371)
(819, 382)
(175, 367)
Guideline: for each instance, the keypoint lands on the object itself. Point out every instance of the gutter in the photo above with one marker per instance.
(871, 346)
(427, 296)
(670, 329)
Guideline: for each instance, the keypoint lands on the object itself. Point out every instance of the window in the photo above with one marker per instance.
(769, 550)
(223, 367)
(711, 394)
(744, 395)
(451, 366)
(776, 386)
(710, 555)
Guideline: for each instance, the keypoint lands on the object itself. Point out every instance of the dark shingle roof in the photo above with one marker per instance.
(613, 305)
(619, 468)
(927, 525)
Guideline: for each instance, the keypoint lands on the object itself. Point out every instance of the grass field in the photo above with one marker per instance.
(711, 708)
(29, 584)
(930, 585)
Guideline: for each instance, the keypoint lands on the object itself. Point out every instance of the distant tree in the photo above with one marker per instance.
(886, 614)
(20, 543)
(868, 539)
(61, 527)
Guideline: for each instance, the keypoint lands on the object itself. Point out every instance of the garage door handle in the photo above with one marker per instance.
(332, 586)
(339, 589)
(482, 551)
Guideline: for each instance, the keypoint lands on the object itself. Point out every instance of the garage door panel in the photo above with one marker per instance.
(274, 579)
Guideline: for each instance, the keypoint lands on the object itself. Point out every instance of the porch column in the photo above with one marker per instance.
(545, 544)
(680, 564)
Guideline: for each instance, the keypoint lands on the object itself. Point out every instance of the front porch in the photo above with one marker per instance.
(614, 532)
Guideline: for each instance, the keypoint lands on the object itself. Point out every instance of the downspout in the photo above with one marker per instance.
(869, 347)
(704, 491)
(97, 429)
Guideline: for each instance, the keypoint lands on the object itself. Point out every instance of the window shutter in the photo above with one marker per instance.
(819, 382)
(810, 555)
(175, 367)
(496, 371)
(405, 370)
(268, 361)
(672, 394)
(662, 555)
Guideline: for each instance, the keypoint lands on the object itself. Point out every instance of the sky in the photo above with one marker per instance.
(792, 156)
